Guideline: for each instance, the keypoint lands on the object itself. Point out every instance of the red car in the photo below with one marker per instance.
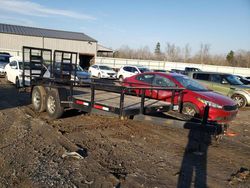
(195, 98)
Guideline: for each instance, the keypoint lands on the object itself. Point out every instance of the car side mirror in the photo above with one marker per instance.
(136, 72)
(14, 67)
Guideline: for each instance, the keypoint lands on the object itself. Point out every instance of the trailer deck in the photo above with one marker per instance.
(111, 101)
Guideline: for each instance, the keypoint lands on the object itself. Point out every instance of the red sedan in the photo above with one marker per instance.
(195, 98)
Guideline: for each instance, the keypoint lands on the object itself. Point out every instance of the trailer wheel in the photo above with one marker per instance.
(38, 98)
(53, 105)
(190, 109)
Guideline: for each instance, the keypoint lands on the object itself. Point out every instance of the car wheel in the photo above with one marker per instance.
(6, 77)
(240, 100)
(53, 105)
(17, 84)
(190, 109)
(121, 78)
(38, 98)
(99, 75)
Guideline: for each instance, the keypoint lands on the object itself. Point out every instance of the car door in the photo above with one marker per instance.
(162, 81)
(95, 70)
(203, 78)
(13, 71)
(144, 80)
(129, 71)
(219, 84)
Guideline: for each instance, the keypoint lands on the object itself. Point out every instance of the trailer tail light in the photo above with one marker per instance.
(82, 103)
(101, 107)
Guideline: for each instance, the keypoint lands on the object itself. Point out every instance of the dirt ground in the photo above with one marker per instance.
(35, 151)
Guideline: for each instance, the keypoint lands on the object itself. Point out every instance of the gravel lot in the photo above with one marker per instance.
(35, 151)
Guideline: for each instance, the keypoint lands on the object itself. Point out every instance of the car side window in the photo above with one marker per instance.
(94, 66)
(163, 82)
(128, 69)
(147, 78)
(216, 78)
(133, 69)
(201, 76)
(13, 65)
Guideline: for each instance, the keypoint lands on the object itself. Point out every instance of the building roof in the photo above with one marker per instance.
(41, 32)
(101, 48)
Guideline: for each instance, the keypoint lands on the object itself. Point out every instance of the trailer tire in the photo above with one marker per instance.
(53, 105)
(39, 98)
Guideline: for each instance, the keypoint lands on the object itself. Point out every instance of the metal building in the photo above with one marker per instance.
(13, 37)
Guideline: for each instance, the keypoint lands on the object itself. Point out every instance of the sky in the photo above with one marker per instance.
(223, 24)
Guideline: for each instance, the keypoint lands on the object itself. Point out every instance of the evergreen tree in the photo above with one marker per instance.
(230, 57)
(158, 49)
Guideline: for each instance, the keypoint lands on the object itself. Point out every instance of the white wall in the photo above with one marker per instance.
(118, 62)
(13, 44)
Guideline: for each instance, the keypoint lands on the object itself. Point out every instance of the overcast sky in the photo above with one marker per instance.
(224, 24)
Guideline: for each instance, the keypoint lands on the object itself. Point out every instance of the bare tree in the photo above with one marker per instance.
(183, 54)
(204, 53)
(172, 52)
(187, 52)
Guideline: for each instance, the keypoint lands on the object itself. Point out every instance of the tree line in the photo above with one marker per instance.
(174, 53)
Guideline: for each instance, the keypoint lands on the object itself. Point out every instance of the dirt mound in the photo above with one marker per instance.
(82, 150)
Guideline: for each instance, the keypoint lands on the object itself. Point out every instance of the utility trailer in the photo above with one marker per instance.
(62, 91)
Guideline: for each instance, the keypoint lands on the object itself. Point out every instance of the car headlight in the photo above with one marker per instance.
(211, 104)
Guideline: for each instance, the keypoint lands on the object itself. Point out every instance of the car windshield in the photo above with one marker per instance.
(78, 68)
(233, 80)
(2, 64)
(105, 68)
(190, 84)
(4, 59)
(142, 70)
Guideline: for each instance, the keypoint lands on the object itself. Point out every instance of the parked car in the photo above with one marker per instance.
(4, 60)
(102, 71)
(160, 70)
(177, 71)
(195, 98)
(81, 75)
(14, 71)
(243, 79)
(226, 84)
(130, 70)
(192, 69)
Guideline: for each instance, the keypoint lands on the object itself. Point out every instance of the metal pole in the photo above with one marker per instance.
(172, 99)
(206, 114)
(92, 95)
(142, 101)
(122, 101)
